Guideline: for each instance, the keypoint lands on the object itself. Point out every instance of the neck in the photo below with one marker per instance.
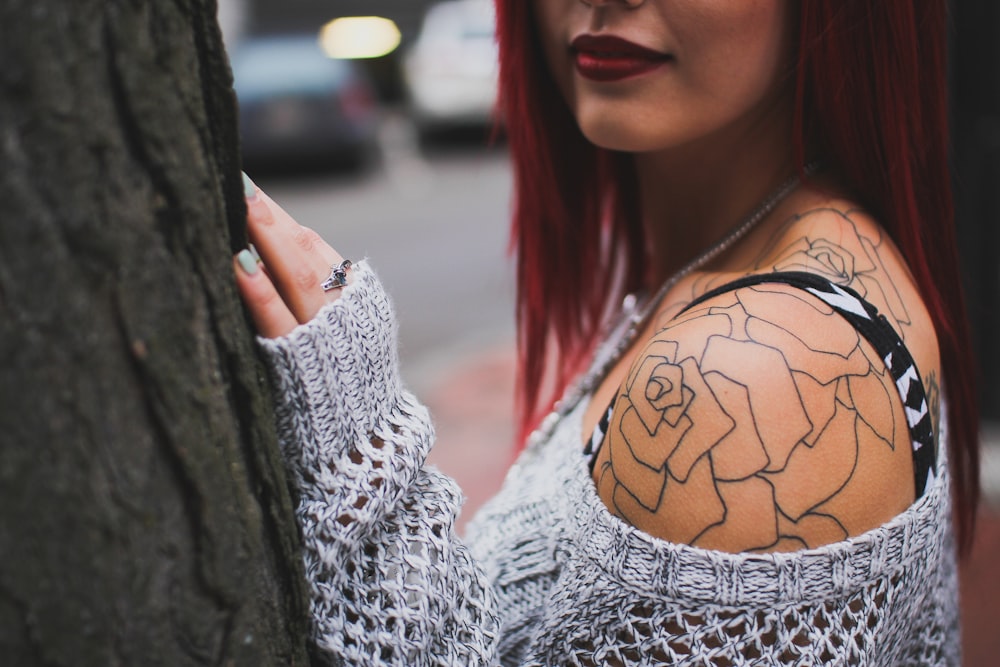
(692, 196)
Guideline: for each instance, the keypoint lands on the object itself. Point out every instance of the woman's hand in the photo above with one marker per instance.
(296, 262)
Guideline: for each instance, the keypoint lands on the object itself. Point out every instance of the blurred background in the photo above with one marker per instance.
(371, 121)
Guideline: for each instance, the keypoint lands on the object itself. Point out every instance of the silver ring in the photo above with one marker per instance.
(337, 277)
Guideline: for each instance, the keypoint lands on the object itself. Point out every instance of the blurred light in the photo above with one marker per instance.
(359, 37)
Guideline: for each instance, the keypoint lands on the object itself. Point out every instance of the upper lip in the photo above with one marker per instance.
(609, 45)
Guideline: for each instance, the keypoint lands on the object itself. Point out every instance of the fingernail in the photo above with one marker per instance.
(247, 262)
(249, 189)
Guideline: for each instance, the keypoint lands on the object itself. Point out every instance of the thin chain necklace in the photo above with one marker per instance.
(634, 318)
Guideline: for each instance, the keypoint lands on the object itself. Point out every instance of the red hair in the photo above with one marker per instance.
(870, 98)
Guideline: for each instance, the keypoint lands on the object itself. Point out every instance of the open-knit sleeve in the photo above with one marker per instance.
(390, 583)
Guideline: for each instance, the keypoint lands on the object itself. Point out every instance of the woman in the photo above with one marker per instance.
(752, 465)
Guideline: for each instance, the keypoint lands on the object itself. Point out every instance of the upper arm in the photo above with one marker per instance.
(759, 421)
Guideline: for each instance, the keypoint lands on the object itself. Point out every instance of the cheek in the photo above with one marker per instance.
(738, 64)
(761, 48)
(753, 48)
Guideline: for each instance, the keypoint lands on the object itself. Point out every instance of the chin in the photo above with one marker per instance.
(626, 132)
(619, 137)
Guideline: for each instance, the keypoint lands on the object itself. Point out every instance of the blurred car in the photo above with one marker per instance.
(451, 71)
(298, 104)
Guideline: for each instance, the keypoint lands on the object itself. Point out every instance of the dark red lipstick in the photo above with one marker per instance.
(607, 58)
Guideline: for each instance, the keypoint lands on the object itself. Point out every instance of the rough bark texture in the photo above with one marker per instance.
(144, 516)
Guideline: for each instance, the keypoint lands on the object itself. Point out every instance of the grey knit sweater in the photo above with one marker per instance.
(550, 576)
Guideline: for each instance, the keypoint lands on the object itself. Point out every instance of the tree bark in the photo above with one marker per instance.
(144, 514)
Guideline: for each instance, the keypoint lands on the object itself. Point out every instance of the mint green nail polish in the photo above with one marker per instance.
(247, 262)
(249, 189)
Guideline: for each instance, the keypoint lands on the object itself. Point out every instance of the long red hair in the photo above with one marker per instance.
(870, 95)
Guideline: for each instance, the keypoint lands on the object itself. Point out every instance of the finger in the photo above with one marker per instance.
(270, 314)
(298, 260)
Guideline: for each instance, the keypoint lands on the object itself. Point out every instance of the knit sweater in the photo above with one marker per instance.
(551, 577)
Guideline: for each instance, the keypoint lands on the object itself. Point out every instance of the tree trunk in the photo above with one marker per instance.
(144, 515)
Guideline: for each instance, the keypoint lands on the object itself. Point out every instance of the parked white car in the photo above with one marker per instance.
(451, 70)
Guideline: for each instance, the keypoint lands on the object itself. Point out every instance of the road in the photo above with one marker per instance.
(436, 230)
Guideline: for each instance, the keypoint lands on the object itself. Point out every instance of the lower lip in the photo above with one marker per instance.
(616, 68)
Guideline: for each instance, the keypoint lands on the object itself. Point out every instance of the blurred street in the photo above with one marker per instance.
(435, 228)
(434, 224)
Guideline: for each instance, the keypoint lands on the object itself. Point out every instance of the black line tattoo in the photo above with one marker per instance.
(761, 420)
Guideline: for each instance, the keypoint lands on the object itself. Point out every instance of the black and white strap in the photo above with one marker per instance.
(875, 328)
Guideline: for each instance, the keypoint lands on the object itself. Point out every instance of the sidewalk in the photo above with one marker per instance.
(471, 403)
(981, 594)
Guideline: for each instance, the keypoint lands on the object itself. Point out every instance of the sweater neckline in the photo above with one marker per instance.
(684, 571)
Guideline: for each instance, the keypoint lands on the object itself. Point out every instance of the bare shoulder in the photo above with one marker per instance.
(845, 244)
(761, 419)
